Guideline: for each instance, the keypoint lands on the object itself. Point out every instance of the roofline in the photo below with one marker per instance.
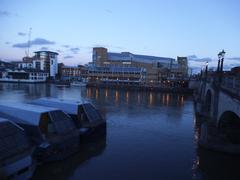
(30, 107)
(143, 55)
(47, 52)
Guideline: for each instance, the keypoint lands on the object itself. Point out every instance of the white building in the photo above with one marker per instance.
(27, 75)
(46, 61)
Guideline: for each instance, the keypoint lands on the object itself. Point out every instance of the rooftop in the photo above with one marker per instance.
(49, 52)
(127, 56)
(69, 106)
(12, 141)
(21, 112)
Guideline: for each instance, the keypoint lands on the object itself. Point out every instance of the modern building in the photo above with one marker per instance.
(147, 69)
(73, 73)
(46, 61)
(111, 74)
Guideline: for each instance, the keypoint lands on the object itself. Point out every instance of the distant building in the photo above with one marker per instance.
(46, 61)
(111, 74)
(27, 75)
(4, 65)
(73, 72)
(150, 69)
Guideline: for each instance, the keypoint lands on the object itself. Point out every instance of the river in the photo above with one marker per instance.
(149, 135)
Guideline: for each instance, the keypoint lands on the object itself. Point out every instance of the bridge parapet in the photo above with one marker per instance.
(231, 84)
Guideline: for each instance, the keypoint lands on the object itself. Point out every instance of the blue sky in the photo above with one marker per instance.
(169, 28)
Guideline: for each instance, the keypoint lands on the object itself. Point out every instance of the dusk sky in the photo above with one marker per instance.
(168, 28)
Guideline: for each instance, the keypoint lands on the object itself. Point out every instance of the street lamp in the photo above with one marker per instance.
(220, 64)
(223, 54)
(206, 69)
(219, 59)
(201, 75)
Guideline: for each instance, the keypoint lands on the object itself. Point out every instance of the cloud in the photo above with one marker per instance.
(74, 50)
(4, 14)
(7, 14)
(44, 49)
(108, 11)
(7, 42)
(230, 66)
(37, 41)
(66, 46)
(58, 50)
(68, 57)
(20, 45)
(22, 34)
(41, 41)
(194, 58)
(234, 58)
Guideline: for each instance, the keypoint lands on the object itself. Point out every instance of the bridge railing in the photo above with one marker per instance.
(232, 84)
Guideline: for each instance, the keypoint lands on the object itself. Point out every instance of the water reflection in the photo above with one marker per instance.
(150, 99)
(89, 92)
(158, 125)
(106, 93)
(127, 97)
(97, 93)
(213, 164)
(135, 98)
(117, 96)
(138, 98)
(23, 92)
(65, 169)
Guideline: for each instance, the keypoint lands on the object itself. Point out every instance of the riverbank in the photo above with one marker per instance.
(180, 90)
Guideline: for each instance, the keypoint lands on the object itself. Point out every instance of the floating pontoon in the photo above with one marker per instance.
(15, 152)
(50, 129)
(85, 115)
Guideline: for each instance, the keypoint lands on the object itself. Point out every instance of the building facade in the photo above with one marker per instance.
(46, 61)
(111, 74)
(73, 73)
(27, 75)
(147, 69)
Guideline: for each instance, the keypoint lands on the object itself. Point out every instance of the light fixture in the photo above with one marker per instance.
(223, 53)
(219, 55)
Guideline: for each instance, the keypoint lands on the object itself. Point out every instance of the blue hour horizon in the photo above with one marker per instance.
(198, 30)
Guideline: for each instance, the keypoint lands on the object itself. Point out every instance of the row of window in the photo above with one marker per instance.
(107, 72)
(39, 78)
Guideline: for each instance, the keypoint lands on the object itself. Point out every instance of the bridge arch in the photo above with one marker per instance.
(208, 101)
(229, 125)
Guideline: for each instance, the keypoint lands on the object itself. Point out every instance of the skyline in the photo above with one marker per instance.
(198, 30)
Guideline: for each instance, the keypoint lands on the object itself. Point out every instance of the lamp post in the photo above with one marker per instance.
(219, 60)
(206, 70)
(223, 54)
(201, 75)
(220, 64)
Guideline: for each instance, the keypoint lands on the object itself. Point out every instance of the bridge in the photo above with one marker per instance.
(218, 103)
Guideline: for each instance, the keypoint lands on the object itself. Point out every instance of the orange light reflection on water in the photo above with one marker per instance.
(117, 96)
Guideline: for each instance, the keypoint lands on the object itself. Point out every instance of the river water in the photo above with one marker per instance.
(149, 135)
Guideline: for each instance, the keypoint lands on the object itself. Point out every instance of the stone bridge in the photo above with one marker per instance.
(219, 103)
